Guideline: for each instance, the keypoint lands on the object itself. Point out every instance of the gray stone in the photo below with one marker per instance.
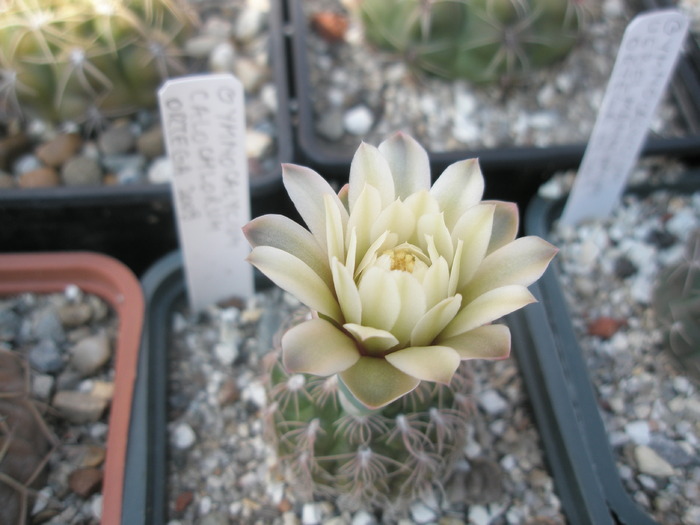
(330, 125)
(117, 139)
(46, 357)
(81, 171)
(492, 402)
(91, 353)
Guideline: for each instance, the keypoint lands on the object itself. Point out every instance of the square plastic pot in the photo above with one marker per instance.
(133, 223)
(112, 281)
(513, 172)
(559, 371)
(580, 493)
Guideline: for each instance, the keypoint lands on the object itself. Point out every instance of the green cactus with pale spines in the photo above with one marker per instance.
(482, 41)
(69, 60)
(676, 302)
(381, 459)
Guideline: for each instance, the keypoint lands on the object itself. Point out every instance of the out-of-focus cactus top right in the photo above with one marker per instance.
(482, 41)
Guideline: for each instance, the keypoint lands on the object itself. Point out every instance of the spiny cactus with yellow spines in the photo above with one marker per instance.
(67, 60)
(482, 41)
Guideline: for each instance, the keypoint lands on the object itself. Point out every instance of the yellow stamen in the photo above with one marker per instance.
(401, 260)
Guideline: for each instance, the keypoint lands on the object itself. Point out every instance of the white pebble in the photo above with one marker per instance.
(421, 513)
(183, 437)
(492, 402)
(639, 432)
(311, 514)
(358, 120)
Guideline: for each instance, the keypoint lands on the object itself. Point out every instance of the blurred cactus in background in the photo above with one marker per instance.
(482, 41)
(676, 302)
(63, 60)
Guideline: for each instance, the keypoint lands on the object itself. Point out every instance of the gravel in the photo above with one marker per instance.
(67, 340)
(229, 474)
(361, 92)
(650, 407)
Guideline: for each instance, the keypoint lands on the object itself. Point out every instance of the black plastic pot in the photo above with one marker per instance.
(565, 449)
(557, 342)
(513, 173)
(133, 223)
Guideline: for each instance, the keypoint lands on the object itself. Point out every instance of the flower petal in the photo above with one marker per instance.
(435, 320)
(413, 305)
(458, 188)
(397, 218)
(373, 340)
(376, 383)
(380, 299)
(505, 224)
(474, 229)
(335, 237)
(522, 262)
(368, 166)
(347, 293)
(433, 225)
(486, 342)
(366, 209)
(436, 282)
(428, 363)
(488, 307)
(291, 274)
(317, 347)
(281, 232)
(306, 189)
(409, 164)
(421, 203)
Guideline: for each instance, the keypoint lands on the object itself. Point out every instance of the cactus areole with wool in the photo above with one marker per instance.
(404, 279)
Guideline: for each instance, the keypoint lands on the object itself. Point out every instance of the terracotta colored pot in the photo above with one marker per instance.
(112, 281)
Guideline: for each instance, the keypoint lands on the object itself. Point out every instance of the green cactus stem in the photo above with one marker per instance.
(67, 60)
(676, 302)
(374, 459)
(482, 41)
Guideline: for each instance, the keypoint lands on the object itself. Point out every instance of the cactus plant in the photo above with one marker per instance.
(676, 302)
(78, 60)
(479, 40)
(404, 281)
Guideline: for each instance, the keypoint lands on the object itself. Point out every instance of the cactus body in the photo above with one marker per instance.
(383, 459)
(478, 40)
(676, 302)
(64, 60)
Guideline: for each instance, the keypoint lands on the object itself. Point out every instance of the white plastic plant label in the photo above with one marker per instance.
(204, 125)
(644, 65)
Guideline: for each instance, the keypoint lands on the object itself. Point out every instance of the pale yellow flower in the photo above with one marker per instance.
(406, 279)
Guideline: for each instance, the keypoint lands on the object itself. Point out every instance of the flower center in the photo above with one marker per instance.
(401, 260)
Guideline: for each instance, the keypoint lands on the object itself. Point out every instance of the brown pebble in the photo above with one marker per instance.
(228, 393)
(39, 178)
(284, 506)
(331, 26)
(183, 501)
(605, 327)
(85, 481)
(58, 150)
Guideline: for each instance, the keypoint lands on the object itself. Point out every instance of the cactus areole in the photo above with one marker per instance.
(404, 281)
